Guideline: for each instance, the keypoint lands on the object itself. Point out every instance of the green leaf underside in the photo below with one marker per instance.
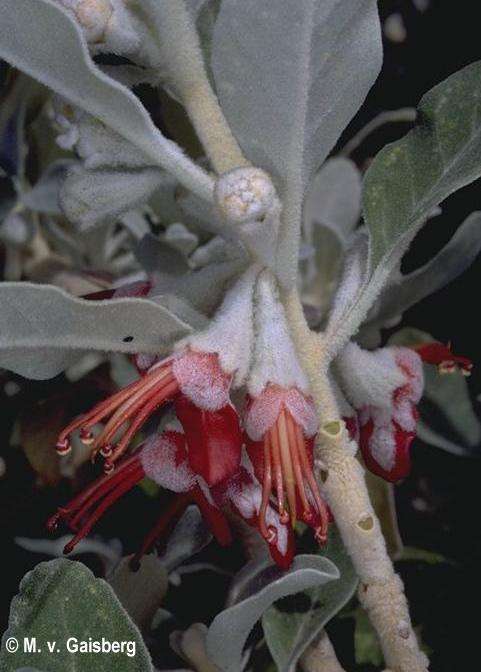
(408, 178)
(288, 633)
(229, 631)
(62, 599)
(43, 330)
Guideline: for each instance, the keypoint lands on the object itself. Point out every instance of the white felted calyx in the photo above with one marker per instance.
(231, 332)
(275, 360)
(244, 194)
(160, 463)
(369, 378)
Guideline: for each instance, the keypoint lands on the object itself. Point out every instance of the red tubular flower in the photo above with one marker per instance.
(441, 356)
(386, 433)
(165, 459)
(280, 426)
(193, 377)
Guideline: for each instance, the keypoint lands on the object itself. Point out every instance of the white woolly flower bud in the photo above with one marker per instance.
(244, 194)
(92, 15)
(107, 25)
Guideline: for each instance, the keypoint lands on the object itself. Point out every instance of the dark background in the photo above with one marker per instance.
(444, 596)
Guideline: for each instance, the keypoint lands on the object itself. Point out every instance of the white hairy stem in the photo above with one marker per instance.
(320, 657)
(186, 72)
(381, 591)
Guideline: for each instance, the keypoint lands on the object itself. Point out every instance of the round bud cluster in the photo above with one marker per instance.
(244, 194)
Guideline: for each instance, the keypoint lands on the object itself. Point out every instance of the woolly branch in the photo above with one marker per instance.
(186, 72)
(381, 590)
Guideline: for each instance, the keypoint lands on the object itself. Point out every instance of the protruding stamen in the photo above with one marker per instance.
(311, 481)
(128, 409)
(165, 522)
(306, 513)
(120, 406)
(144, 413)
(287, 470)
(266, 488)
(111, 490)
(278, 479)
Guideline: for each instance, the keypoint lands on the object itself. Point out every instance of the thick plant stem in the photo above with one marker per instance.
(320, 657)
(381, 591)
(183, 59)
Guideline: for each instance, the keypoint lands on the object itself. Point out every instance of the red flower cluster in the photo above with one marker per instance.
(260, 466)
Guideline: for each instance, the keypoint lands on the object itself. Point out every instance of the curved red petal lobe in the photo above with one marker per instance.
(402, 457)
(440, 355)
(214, 440)
(284, 558)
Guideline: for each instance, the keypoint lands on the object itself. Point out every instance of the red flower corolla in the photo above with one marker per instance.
(386, 434)
(165, 459)
(441, 356)
(201, 464)
(384, 387)
(194, 381)
(280, 428)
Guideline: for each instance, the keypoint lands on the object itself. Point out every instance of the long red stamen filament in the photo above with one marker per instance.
(296, 464)
(266, 488)
(65, 512)
(287, 470)
(141, 417)
(278, 478)
(168, 518)
(106, 503)
(309, 477)
(112, 481)
(127, 409)
(100, 410)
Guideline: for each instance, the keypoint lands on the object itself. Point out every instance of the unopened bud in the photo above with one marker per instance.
(244, 194)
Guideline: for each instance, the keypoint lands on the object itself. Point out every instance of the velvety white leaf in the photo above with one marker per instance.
(202, 288)
(44, 196)
(91, 197)
(334, 198)
(410, 177)
(288, 633)
(229, 630)
(44, 330)
(290, 76)
(181, 238)
(41, 39)
(156, 256)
